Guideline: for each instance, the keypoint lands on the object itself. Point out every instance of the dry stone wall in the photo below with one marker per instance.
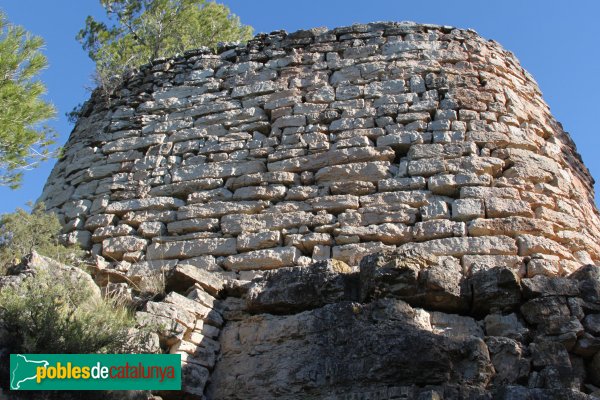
(320, 145)
(328, 144)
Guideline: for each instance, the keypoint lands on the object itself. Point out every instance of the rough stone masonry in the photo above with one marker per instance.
(258, 177)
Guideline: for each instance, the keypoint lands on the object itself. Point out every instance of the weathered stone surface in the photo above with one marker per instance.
(307, 242)
(421, 279)
(191, 248)
(258, 240)
(193, 225)
(366, 171)
(296, 289)
(487, 245)
(334, 335)
(155, 203)
(505, 325)
(467, 209)
(217, 170)
(236, 224)
(387, 233)
(271, 192)
(184, 276)
(116, 247)
(495, 289)
(352, 253)
(336, 144)
(332, 157)
(219, 208)
(263, 259)
(509, 360)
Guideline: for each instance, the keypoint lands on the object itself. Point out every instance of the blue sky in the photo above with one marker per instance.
(556, 41)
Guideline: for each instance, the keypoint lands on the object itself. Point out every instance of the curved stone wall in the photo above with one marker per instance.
(328, 145)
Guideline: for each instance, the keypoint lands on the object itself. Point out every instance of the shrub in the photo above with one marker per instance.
(48, 315)
(22, 232)
(54, 314)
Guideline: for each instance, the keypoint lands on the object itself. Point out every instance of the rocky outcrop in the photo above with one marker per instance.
(505, 338)
(249, 184)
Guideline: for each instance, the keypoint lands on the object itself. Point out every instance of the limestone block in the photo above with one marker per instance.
(510, 226)
(351, 254)
(298, 289)
(426, 167)
(189, 305)
(171, 311)
(334, 204)
(236, 223)
(467, 209)
(206, 196)
(133, 143)
(387, 233)
(437, 229)
(185, 276)
(460, 246)
(151, 229)
(436, 209)
(217, 209)
(539, 266)
(394, 184)
(449, 185)
(366, 171)
(112, 231)
(307, 242)
(191, 248)
(100, 220)
(263, 259)
(479, 192)
(217, 170)
(136, 218)
(255, 179)
(333, 157)
(270, 192)
(154, 203)
(115, 247)
(77, 208)
(168, 328)
(400, 139)
(193, 225)
(258, 240)
(473, 263)
(530, 244)
(499, 207)
(254, 89)
(413, 198)
(505, 325)
(300, 193)
(186, 188)
(454, 326)
(508, 357)
(357, 188)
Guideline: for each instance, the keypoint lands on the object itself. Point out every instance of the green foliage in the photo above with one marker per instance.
(48, 315)
(23, 142)
(143, 30)
(22, 232)
(75, 113)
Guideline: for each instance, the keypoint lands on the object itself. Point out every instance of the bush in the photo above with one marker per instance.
(48, 315)
(22, 232)
(55, 314)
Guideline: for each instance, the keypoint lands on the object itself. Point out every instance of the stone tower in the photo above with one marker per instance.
(256, 179)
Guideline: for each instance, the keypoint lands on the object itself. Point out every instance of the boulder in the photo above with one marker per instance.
(295, 289)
